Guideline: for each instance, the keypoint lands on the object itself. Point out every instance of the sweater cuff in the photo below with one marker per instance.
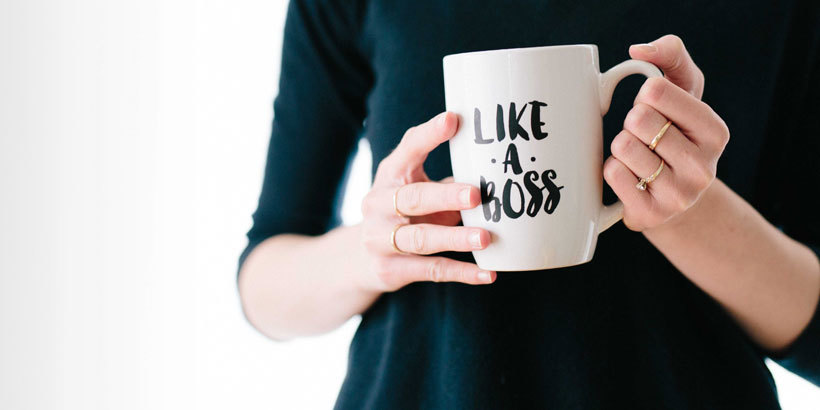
(803, 356)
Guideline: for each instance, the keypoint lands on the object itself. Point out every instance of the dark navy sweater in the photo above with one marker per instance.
(626, 330)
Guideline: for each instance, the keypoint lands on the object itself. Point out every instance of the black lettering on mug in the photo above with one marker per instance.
(540, 191)
(511, 159)
(507, 200)
(513, 201)
(499, 122)
(489, 203)
(514, 125)
(479, 139)
(536, 193)
(535, 120)
(554, 195)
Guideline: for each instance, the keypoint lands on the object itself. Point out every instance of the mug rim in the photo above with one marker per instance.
(520, 50)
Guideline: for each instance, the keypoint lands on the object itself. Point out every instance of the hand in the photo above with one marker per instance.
(431, 210)
(690, 148)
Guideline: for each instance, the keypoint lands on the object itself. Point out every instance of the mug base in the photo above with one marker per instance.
(512, 267)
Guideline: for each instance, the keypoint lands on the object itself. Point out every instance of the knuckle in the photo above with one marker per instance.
(384, 166)
(461, 240)
(454, 241)
(419, 239)
(702, 177)
(690, 157)
(699, 172)
(636, 118)
(460, 273)
(409, 134)
(413, 197)
(677, 50)
(652, 90)
(698, 175)
(622, 145)
(723, 132)
(406, 177)
(370, 243)
(610, 169)
(700, 78)
(435, 270)
(675, 42)
(633, 223)
(386, 277)
(367, 203)
(381, 267)
(718, 129)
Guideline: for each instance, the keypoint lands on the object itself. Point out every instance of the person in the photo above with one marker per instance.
(713, 269)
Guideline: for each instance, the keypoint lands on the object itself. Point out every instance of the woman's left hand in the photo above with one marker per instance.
(689, 148)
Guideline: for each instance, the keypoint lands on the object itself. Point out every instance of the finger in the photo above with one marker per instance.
(424, 239)
(445, 218)
(687, 172)
(633, 153)
(623, 181)
(407, 269)
(671, 56)
(695, 119)
(422, 198)
(418, 141)
(645, 122)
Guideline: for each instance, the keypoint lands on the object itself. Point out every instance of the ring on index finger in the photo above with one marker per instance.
(396, 204)
(393, 240)
(659, 135)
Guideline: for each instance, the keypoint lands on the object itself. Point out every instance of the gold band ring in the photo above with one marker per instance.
(644, 181)
(393, 239)
(396, 204)
(659, 135)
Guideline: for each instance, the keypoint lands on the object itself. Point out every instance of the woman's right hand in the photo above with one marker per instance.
(429, 213)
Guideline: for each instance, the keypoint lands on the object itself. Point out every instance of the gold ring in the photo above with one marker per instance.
(393, 239)
(396, 203)
(644, 181)
(659, 135)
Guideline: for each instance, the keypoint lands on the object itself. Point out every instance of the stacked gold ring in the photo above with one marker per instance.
(396, 228)
(393, 239)
(659, 135)
(396, 202)
(641, 185)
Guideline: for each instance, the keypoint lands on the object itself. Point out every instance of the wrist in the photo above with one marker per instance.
(361, 278)
(700, 212)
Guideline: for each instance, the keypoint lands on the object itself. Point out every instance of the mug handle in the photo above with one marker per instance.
(610, 214)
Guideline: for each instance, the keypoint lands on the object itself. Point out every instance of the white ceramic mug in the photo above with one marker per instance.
(530, 137)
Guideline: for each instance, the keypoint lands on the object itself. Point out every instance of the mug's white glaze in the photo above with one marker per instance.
(555, 97)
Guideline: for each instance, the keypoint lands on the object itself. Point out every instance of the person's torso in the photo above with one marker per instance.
(625, 330)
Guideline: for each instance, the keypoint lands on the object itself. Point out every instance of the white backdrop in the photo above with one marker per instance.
(132, 141)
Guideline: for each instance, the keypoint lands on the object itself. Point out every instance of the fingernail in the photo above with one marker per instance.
(645, 48)
(485, 276)
(464, 196)
(475, 239)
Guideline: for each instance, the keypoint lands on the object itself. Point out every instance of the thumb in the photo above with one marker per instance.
(670, 55)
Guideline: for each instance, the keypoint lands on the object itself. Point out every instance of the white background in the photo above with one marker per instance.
(132, 141)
